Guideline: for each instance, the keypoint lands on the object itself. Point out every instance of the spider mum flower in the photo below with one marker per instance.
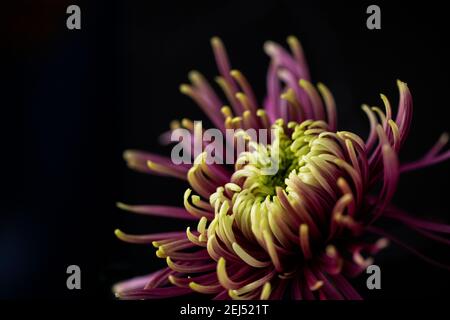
(298, 233)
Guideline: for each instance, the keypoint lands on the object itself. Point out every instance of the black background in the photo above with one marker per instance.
(74, 100)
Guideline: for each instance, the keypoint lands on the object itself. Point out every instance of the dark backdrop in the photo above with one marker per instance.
(74, 100)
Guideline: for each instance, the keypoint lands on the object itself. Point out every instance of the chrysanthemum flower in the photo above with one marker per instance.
(297, 234)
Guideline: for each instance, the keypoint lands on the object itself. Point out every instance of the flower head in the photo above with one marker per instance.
(297, 232)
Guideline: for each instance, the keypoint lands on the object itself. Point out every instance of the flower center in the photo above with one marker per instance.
(266, 167)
